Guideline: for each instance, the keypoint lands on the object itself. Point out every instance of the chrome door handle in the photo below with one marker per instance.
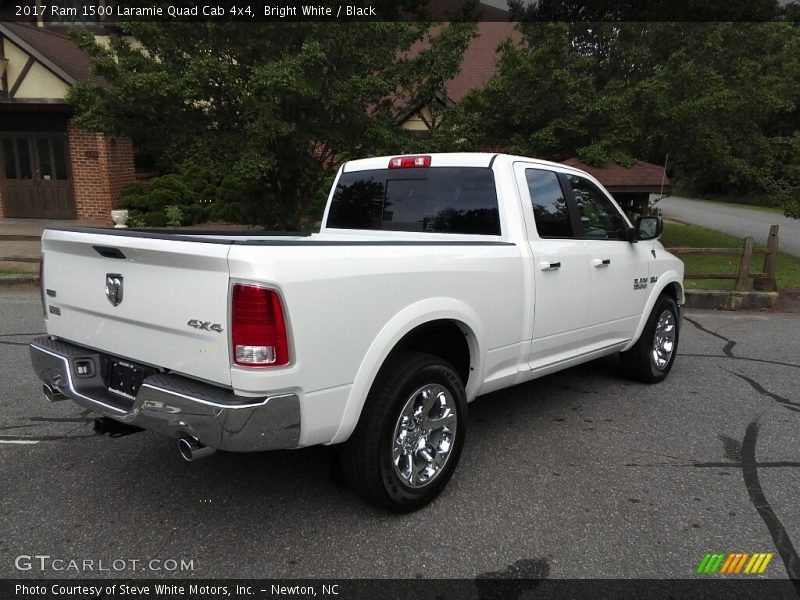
(601, 262)
(547, 265)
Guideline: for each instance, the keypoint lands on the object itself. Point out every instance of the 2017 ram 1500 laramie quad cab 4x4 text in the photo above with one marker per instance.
(434, 279)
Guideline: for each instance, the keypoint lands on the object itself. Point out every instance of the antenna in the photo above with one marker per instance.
(661, 191)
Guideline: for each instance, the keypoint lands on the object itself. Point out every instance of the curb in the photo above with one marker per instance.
(18, 280)
(730, 300)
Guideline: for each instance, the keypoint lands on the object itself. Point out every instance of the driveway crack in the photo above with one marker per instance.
(780, 537)
(785, 402)
(727, 349)
(759, 360)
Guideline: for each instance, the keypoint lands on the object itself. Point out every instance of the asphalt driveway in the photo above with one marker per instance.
(735, 220)
(577, 475)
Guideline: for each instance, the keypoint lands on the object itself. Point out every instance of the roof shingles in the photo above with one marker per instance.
(58, 49)
(615, 177)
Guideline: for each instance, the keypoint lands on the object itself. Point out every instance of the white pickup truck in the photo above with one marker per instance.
(434, 279)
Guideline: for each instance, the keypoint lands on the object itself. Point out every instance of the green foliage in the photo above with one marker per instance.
(539, 102)
(718, 98)
(196, 196)
(267, 110)
(171, 200)
(721, 99)
(174, 215)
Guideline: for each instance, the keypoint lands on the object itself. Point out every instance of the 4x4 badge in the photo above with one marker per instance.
(205, 325)
(114, 288)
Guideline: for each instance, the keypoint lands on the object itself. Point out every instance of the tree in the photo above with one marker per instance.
(722, 99)
(539, 101)
(269, 109)
(715, 101)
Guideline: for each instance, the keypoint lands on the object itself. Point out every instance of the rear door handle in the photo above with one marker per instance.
(547, 265)
(601, 262)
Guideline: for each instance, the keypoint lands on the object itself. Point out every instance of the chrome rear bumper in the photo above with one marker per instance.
(173, 405)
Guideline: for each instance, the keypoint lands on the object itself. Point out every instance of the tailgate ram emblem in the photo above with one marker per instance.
(114, 288)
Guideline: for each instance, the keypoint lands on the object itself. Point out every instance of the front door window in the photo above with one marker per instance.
(599, 217)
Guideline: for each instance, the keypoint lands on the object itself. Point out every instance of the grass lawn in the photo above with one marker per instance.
(694, 236)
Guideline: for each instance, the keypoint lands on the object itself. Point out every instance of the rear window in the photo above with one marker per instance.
(434, 200)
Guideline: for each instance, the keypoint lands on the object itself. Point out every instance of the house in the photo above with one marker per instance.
(478, 67)
(631, 186)
(49, 167)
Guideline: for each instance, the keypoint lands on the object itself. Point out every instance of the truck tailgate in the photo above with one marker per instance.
(173, 308)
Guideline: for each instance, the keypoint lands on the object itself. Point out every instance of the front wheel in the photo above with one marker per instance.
(409, 438)
(650, 359)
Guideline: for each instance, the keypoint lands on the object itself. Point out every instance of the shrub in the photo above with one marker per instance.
(170, 200)
(195, 196)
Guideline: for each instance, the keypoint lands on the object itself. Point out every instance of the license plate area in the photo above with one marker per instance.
(125, 379)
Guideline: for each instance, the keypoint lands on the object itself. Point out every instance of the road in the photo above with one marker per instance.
(737, 221)
(577, 475)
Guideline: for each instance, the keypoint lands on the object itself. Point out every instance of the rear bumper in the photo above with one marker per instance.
(173, 405)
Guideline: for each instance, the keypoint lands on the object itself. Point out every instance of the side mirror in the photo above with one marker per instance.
(648, 228)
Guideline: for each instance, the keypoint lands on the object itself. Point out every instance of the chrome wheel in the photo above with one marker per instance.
(664, 340)
(424, 435)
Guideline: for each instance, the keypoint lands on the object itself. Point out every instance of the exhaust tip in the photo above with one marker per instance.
(191, 450)
(185, 448)
(52, 394)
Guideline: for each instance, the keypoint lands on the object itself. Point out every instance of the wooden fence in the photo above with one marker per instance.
(764, 279)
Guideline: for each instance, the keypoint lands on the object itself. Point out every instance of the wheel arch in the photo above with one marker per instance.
(416, 328)
(675, 290)
(669, 283)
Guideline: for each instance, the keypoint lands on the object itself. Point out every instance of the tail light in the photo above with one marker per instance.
(410, 162)
(41, 285)
(258, 328)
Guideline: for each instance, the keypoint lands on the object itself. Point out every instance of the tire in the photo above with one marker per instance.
(386, 460)
(649, 360)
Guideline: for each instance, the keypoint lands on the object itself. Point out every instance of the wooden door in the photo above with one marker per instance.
(20, 196)
(53, 176)
(35, 176)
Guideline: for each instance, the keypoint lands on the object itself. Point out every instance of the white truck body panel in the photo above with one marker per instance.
(348, 305)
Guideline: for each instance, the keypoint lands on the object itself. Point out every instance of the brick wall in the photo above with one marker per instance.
(101, 167)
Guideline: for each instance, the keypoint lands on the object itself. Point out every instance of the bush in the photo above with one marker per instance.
(171, 200)
(195, 196)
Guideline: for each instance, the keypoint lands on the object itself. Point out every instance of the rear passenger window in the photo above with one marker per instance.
(435, 200)
(550, 209)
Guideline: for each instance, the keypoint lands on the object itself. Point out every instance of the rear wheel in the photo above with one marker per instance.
(651, 358)
(410, 435)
